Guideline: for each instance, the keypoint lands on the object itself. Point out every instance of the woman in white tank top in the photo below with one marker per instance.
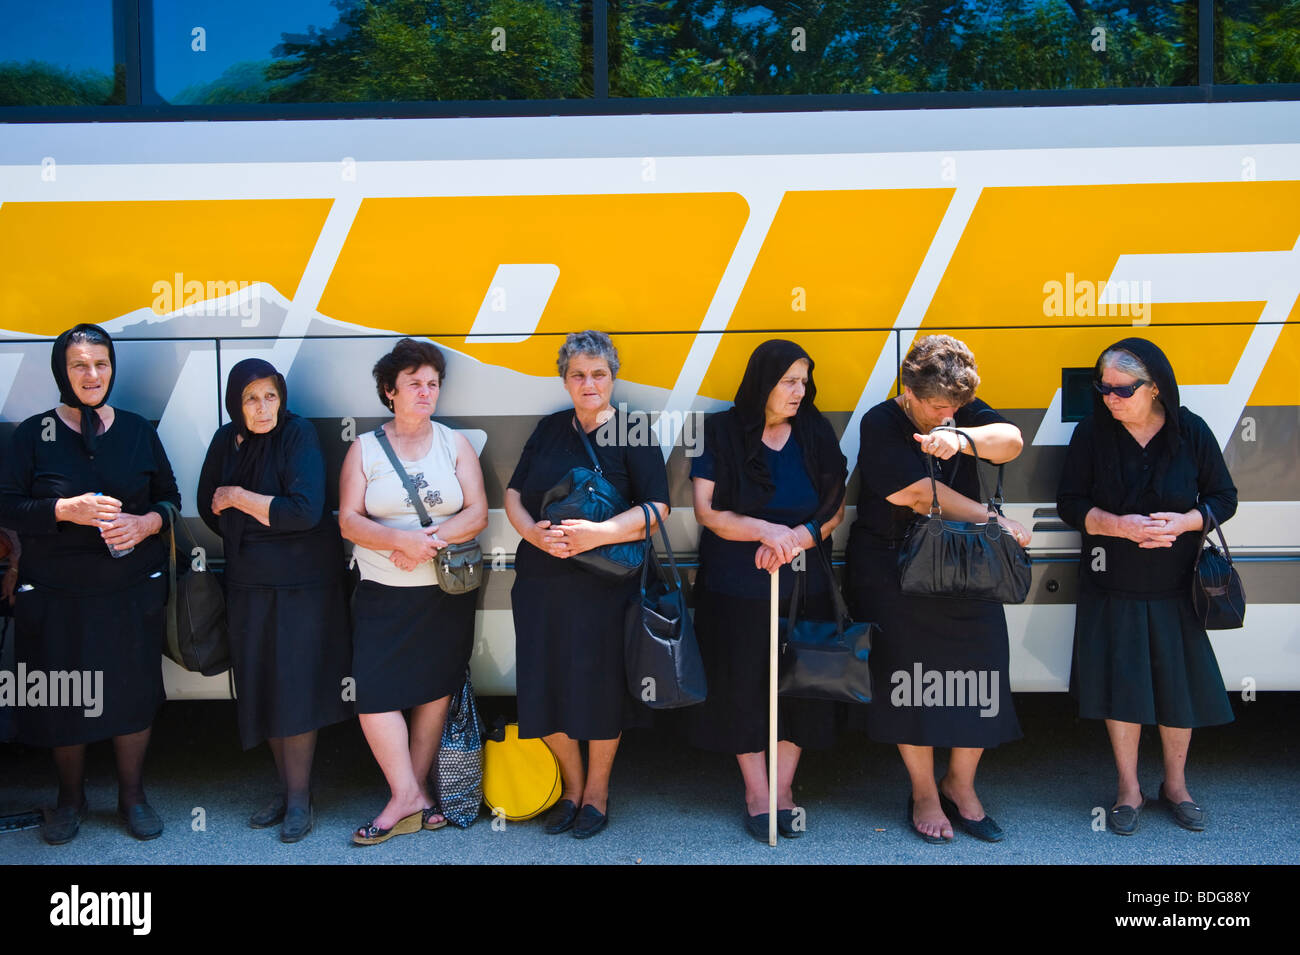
(411, 640)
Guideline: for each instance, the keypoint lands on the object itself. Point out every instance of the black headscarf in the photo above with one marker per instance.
(742, 480)
(246, 462)
(90, 420)
(1111, 494)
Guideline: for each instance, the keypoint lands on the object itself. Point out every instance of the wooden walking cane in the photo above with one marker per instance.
(771, 710)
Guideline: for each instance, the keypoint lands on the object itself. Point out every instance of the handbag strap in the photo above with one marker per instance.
(994, 503)
(591, 452)
(425, 519)
(796, 597)
(1211, 523)
(173, 635)
(673, 576)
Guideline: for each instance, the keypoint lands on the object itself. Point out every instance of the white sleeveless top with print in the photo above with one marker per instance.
(387, 502)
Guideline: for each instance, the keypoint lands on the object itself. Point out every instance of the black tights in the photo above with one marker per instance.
(293, 757)
(129, 750)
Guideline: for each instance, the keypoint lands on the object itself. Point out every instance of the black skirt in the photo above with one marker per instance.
(1144, 661)
(939, 667)
(569, 655)
(734, 635)
(291, 652)
(410, 645)
(107, 650)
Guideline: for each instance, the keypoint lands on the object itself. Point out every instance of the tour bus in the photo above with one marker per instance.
(1035, 233)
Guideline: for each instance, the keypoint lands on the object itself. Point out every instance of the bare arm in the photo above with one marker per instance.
(355, 526)
(997, 443)
(256, 506)
(785, 542)
(1155, 530)
(956, 506)
(470, 521)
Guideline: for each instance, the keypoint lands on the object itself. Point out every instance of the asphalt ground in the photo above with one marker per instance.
(672, 804)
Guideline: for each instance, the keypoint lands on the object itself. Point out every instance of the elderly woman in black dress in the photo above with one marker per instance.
(768, 486)
(411, 640)
(921, 636)
(1138, 476)
(262, 489)
(84, 486)
(568, 621)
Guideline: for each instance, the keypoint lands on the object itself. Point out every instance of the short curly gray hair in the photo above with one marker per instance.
(591, 343)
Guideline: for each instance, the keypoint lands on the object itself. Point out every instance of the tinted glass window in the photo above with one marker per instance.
(61, 54)
(357, 51)
(723, 47)
(1257, 41)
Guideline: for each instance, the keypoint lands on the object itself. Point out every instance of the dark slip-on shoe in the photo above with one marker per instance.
(1187, 814)
(141, 821)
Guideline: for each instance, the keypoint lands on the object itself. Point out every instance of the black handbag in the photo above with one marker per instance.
(1218, 595)
(584, 494)
(825, 659)
(458, 775)
(660, 653)
(459, 567)
(940, 558)
(197, 637)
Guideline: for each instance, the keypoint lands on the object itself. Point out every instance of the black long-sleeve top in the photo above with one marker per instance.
(47, 461)
(301, 547)
(1196, 476)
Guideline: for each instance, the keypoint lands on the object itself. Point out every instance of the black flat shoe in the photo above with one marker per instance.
(590, 821)
(1123, 820)
(561, 818)
(297, 823)
(63, 823)
(757, 826)
(985, 828)
(141, 821)
(270, 814)
(932, 840)
(1187, 814)
(785, 824)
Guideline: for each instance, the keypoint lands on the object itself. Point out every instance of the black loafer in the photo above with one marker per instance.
(1123, 820)
(270, 814)
(141, 821)
(757, 826)
(297, 823)
(1187, 814)
(62, 823)
(561, 818)
(590, 821)
(985, 828)
(785, 823)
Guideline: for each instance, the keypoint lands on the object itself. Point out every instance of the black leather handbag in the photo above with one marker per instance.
(940, 558)
(458, 567)
(825, 659)
(584, 494)
(660, 654)
(197, 637)
(1218, 595)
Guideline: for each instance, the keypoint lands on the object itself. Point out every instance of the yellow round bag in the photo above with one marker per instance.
(521, 777)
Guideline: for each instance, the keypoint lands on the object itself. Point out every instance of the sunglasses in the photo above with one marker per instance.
(1123, 391)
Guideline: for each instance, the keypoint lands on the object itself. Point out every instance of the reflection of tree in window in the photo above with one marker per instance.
(67, 54)
(403, 50)
(414, 50)
(1257, 41)
(722, 47)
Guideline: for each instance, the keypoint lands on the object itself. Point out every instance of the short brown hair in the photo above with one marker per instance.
(407, 355)
(940, 366)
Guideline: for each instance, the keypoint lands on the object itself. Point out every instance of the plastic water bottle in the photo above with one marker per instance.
(113, 551)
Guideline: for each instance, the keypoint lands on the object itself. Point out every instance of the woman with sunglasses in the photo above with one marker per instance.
(1138, 475)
